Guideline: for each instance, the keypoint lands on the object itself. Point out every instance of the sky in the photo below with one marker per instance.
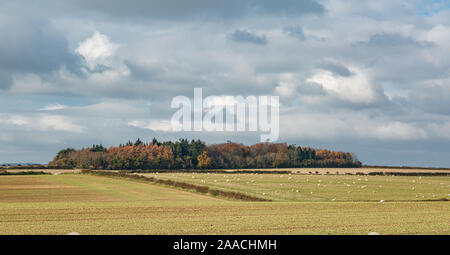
(369, 77)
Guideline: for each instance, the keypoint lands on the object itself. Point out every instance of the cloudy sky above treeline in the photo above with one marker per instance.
(370, 77)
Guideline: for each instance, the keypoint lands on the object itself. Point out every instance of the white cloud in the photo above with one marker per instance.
(58, 123)
(54, 107)
(97, 50)
(439, 34)
(155, 125)
(286, 87)
(43, 123)
(356, 88)
(18, 121)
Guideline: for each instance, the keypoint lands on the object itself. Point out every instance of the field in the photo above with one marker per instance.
(324, 188)
(63, 203)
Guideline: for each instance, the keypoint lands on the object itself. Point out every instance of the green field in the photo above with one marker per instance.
(59, 204)
(324, 188)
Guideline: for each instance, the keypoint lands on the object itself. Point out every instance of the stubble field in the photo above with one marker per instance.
(59, 204)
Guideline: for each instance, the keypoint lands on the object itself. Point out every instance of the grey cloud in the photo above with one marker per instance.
(143, 72)
(336, 69)
(395, 58)
(175, 9)
(312, 88)
(32, 45)
(244, 36)
(432, 98)
(5, 80)
(295, 31)
(393, 40)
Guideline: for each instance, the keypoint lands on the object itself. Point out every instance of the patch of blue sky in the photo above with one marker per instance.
(430, 7)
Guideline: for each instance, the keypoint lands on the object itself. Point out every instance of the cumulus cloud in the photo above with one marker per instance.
(287, 85)
(354, 89)
(439, 35)
(97, 51)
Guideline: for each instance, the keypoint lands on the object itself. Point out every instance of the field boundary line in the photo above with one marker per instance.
(180, 185)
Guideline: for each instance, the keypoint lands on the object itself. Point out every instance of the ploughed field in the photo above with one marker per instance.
(59, 204)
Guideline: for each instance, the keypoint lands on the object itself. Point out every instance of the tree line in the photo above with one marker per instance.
(195, 154)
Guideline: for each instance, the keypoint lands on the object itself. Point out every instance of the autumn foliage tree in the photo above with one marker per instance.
(195, 154)
(203, 160)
